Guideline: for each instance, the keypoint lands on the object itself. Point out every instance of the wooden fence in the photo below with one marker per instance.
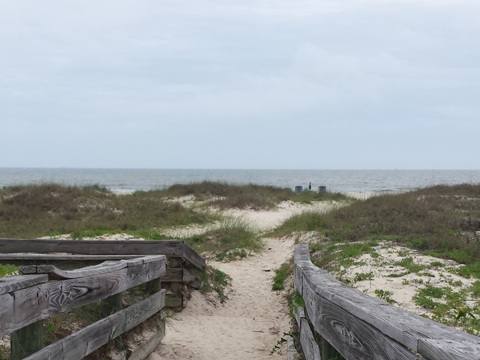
(44, 290)
(182, 260)
(341, 322)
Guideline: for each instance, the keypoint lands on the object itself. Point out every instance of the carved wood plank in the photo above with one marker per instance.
(170, 248)
(25, 306)
(92, 337)
(193, 257)
(55, 273)
(53, 258)
(17, 282)
(448, 350)
(94, 247)
(343, 315)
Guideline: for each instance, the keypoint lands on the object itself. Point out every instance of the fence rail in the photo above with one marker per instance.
(182, 260)
(44, 290)
(337, 318)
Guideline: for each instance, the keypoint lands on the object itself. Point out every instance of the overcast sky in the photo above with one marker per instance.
(247, 84)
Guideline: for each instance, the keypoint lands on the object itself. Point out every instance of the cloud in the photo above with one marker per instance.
(276, 75)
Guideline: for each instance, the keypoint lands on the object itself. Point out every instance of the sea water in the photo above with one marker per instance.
(128, 180)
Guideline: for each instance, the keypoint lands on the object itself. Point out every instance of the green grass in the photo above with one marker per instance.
(432, 291)
(29, 211)
(469, 270)
(410, 265)
(233, 238)
(333, 256)
(281, 274)
(450, 307)
(250, 196)
(384, 295)
(7, 269)
(214, 280)
(440, 220)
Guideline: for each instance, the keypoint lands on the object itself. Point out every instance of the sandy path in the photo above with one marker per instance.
(247, 326)
(254, 318)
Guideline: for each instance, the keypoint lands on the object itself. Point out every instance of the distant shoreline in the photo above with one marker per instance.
(345, 181)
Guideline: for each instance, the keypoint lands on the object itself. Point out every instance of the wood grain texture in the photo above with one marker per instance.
(17, 282)
(25, 306)
(170, 248)
(363, 327)
(309, 346)
(52, 258)
(94, 247)
(55, 273)
(90, 338)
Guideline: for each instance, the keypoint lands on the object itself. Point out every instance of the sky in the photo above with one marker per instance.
(247, 84)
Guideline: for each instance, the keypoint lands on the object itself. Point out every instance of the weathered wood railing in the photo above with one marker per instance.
(44, 290)
(346, 322)
(68, 253)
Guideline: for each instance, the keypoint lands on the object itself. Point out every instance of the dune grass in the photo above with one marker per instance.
(250, 196)
(442, 220)
(233, 238)
(51, 209)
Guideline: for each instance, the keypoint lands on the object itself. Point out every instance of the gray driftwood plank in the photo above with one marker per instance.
(92, 337)
(25, 306)
(309, 345)
(94, 247)
(362, 327)
(55, 273)
(193, 257)
(42, 258)
(17, 282)
(170, 248)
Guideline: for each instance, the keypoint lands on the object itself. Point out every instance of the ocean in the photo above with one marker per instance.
(347, 181)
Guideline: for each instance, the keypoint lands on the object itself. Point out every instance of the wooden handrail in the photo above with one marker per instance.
(362, 327)
(27, 305)
(169, 248)
(46, 290)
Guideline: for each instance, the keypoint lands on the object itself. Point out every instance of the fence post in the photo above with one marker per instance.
(27, 340)
(153, 286)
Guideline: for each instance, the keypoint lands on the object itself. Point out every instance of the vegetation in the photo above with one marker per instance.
(215, 280)
(281, 274)
(233, 238)
(7, 269)
(251, 196)
(29, 211)
(51, 209)
(441, 220)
